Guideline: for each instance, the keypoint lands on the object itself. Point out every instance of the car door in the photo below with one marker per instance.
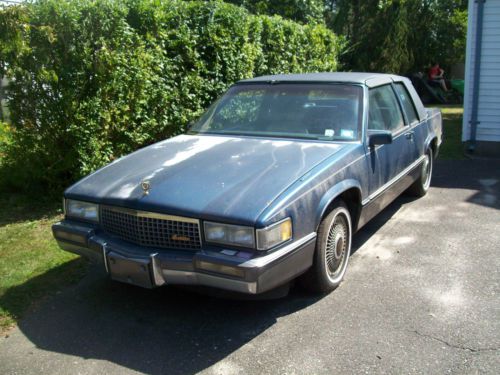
(416, 130)
(388, 162)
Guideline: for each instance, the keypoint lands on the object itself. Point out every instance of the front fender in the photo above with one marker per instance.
(332, 194)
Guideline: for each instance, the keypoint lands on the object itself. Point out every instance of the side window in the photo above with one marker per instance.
(384, 113)
(407, 102)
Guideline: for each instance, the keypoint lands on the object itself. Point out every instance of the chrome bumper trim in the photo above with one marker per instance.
(265, 260)
(259, 274)
(198, 278)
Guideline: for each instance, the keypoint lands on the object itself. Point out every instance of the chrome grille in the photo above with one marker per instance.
(151, 229)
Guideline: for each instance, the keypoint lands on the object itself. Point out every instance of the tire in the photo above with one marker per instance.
(333, 247)
(420, 187)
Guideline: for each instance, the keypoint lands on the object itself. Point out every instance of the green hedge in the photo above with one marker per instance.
(91, 80)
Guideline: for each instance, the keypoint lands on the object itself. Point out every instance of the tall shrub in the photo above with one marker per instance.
(91, 80)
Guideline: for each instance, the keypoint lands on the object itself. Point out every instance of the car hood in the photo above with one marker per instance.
(210, 177)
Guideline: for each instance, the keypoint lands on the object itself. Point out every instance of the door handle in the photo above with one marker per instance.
(409, 135)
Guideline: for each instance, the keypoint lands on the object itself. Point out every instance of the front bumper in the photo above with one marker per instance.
(219, 268)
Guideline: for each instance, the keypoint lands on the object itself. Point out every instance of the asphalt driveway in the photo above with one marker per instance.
(421, 296)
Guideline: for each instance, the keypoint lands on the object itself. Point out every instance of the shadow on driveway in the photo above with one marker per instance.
(483, 176)
(165, 330)
(171, 330)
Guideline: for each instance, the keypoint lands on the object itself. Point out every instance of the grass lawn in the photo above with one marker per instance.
(31, 265)
(452, 133)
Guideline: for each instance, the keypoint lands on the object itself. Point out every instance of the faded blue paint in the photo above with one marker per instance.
(232, 179)
(257, 181)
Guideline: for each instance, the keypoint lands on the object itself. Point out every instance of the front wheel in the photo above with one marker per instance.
(333, 247)
(422, 183)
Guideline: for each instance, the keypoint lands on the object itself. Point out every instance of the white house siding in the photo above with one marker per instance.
(488, 128)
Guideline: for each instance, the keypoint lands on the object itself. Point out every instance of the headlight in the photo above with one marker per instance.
(82, 210)
(274, 234)
(229, 234)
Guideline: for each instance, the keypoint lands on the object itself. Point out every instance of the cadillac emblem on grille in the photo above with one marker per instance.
(176, 237)
(146, 186)
(151, 228)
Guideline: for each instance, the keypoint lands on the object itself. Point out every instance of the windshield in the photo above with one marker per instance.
(313, 111)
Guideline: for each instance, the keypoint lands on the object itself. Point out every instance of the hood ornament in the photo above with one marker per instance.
(146, 186)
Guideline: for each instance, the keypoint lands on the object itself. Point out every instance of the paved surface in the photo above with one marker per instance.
(421, 296)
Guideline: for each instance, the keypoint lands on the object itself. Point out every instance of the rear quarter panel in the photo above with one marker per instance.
(435, 121)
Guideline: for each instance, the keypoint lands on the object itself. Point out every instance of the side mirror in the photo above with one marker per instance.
(383, 137)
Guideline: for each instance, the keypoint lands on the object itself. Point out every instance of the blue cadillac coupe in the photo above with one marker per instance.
(268, 186)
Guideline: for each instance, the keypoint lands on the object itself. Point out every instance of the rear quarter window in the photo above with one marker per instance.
(408, 105)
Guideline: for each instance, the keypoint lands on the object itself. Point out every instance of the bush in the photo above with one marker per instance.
(91, 80)
(4, 137)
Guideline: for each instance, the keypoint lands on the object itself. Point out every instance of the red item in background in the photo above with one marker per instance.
(434, 71)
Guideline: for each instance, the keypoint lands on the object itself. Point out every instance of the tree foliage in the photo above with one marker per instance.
(91, 80)
(399, 36)
(297, 10)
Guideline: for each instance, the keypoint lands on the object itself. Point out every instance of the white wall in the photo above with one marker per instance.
(489, 82)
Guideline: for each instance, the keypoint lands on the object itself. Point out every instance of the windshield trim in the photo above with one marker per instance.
(266, 136)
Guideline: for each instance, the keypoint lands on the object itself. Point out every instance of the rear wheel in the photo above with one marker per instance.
(421, 185)
(333, 247)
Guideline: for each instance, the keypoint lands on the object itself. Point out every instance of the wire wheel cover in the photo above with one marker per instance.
(337, 244)
(426, 171)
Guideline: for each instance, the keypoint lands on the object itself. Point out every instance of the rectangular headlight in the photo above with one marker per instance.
(228, 234)
(82, 210)
(274, 235)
